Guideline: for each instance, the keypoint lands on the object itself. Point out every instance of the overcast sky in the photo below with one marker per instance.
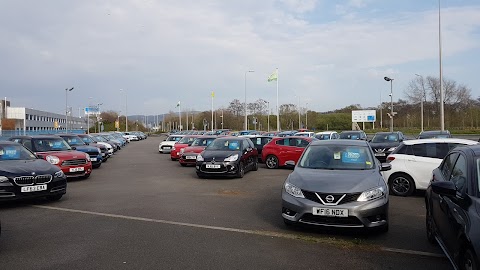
(330, 53)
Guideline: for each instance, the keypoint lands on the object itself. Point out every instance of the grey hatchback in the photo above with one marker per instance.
(337, 183)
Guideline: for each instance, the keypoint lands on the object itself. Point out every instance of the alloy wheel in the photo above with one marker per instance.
(271, 162)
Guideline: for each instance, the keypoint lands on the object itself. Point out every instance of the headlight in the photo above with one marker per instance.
(3, 179)
(53, 159)
(59, 174)
(173, 147)
(88, 157)
(182, 150)
(372, 194)
(199, 158)
(293, 190)
(232, 158)
(391, 149)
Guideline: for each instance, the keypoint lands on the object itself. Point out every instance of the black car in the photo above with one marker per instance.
(353, 135)
(23, 175)
(78, 144)
(383, 143)
(434, 134)
(453, 203)
(227, 156)
(259, 141)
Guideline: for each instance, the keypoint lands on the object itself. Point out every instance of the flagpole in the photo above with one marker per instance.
(212, 108)
(180, 115)
(278, 111)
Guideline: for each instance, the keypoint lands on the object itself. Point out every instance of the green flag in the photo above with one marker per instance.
(178, 104)
(273, 77)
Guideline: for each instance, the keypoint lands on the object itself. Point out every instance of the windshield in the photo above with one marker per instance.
(15, 152)
(50, 144)
(87, 139)
(323, 136)
(99, 139)
(187, 140)
(385, 138)
(74, 141)
(174, 138)
(225, 145)
(202, 141)
(350, 135)
(337, 157)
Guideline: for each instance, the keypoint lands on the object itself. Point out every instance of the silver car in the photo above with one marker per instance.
(337, 183)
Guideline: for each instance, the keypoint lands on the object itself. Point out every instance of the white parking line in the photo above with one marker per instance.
(227, 229)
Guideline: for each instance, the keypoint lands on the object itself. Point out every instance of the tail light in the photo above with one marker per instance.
(390, 158)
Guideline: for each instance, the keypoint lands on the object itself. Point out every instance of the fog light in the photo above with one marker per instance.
(379, 217)
(288, 212)
(198, 167)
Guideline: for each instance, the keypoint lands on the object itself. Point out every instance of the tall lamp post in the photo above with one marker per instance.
(421, 101)
(391, 101)
(306, 115)
(268, 115)
(246, 120)
(66, 108)
(126, 114)
(442, 109)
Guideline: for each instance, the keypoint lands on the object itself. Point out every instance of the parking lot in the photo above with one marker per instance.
(141, 210)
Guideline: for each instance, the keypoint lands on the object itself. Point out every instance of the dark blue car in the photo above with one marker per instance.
(78, 144)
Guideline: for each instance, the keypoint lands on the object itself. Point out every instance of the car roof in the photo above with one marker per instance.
(7, 143)
(386, 132)
(435, 132)
(352, 131)
(436, 140)
(325, 132)
(340, 142)
(37, 136)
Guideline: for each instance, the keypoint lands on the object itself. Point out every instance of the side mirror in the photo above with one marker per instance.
(87, 143)
(445, 188)
(385, 167)
(74, 148)
(290, 164)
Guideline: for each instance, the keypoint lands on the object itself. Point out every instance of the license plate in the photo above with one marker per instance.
(191, 157)
(167, 147)
(93, 159)
(380, 154)
(330, 212)
(33, 188)
(212, 166)
(78, 169)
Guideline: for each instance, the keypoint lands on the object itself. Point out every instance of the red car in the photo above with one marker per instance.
(282, 149)
(189, 154)
(182, 143)
(55, 150)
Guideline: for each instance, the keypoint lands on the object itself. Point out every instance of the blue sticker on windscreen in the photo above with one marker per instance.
(353, 156)
(10, 153)
(57, 145)
(233, 146)
(354, 137)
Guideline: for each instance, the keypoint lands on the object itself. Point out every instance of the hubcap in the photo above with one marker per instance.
(401, 185)
(271, 162)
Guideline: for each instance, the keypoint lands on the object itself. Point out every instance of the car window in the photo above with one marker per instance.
(447, 165)
(250, 144)
(459, 174)
(28, 144)
(302, 143)
(337, 157)
(432, 150)
(15, 152)
(287, 142)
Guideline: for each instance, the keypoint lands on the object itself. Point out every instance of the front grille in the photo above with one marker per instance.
(30, 180)
(92, 154)
(332, 221)
(24, 180)
(312, 196)
(43, 179)
(74, 162)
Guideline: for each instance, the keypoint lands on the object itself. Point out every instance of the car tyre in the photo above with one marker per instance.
(173, 159)
(86, 176)
(401, 185)
(54, 198)
(271, 162)
(430, 228)
(468, 261)
(241, 170)
(201, 176)
(96, 166)
(183, 165)
(255, 166)
(288, 223)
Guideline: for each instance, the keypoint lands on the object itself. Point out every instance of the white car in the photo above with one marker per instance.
(167, 145)
(305, 134)
(413, 162)
(327, 135)
(130, 137)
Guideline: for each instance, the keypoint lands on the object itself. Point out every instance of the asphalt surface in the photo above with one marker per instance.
(140, 210)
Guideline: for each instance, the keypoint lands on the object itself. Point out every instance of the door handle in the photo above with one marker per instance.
(298, 150)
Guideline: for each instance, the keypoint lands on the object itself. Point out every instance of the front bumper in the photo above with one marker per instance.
(165, 149)
(184, 159)
(360, 214)
(11, 192)
(73, 171)
(225, 169)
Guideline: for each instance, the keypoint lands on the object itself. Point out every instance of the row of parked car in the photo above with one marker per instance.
(346, 183)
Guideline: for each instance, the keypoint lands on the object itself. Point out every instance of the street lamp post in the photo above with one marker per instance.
(66, 108)
(306, 116)
(299, 120)
(421, 101)
(126, 114)
(246, 120)
(268, 115)
(391, 101)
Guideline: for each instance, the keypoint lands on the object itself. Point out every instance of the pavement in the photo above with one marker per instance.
(140, 210)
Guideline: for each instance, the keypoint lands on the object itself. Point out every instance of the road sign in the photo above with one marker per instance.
(92, 110)
(55, 124)
(363, 116)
